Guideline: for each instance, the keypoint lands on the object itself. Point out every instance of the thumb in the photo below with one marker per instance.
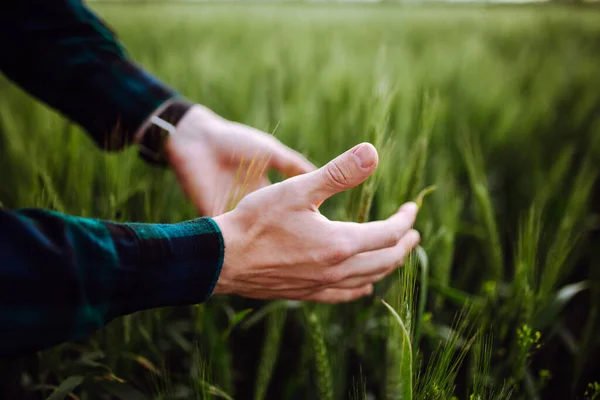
(344, 172)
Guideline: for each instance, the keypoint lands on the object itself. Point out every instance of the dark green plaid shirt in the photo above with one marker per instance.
(62, 277)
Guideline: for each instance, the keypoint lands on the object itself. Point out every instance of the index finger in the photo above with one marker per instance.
(289, 162)
(376, 235)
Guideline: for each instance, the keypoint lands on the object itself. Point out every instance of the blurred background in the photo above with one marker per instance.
(497, 105)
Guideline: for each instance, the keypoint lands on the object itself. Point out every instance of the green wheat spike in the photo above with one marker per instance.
(315, 331)
(272, 342)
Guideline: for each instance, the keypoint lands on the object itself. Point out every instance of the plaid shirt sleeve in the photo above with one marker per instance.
(62, 53)
(63, 277)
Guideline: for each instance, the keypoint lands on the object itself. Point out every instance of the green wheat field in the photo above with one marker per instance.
(498, 107)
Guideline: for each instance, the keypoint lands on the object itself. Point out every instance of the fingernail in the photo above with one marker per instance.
(410, 207)
(364, 156)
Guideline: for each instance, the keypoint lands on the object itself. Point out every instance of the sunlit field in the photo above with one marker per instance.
(497, 107)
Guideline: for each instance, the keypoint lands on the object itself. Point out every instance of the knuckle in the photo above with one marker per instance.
(334, 249)
(330, 277)
(335, 176)
(393, 237)
(337, 253)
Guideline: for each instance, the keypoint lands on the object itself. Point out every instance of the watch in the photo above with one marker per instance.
(152, 138)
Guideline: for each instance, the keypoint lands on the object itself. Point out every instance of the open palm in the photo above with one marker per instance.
(217, 161)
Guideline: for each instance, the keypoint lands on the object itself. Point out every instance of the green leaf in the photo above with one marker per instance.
(50, 190)
(239, 316)
(236, 319)
(181, 341)
(143, 361)
(457, 296)
(423, 193)
(424, 284)
(216, 391)
(266, 310)
(270, 350)
(568, 339)
(530, 387)
(92, 366)
(66, 387)
(557, 303)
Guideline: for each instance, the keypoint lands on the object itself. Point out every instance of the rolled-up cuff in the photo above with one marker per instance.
(166, 265)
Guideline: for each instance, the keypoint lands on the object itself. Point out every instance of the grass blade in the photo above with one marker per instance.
(402, 389)
(272, 342)
(66, 388)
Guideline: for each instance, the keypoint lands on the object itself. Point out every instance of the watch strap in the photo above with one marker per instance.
(160, 126)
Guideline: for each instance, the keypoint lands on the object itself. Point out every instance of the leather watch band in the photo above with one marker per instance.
(152, 139)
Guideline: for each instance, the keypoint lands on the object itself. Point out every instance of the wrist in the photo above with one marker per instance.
(199, 123)
(160, 126)
(233, 242)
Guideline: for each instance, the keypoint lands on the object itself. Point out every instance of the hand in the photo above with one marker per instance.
(278, 245)
(217, 161)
